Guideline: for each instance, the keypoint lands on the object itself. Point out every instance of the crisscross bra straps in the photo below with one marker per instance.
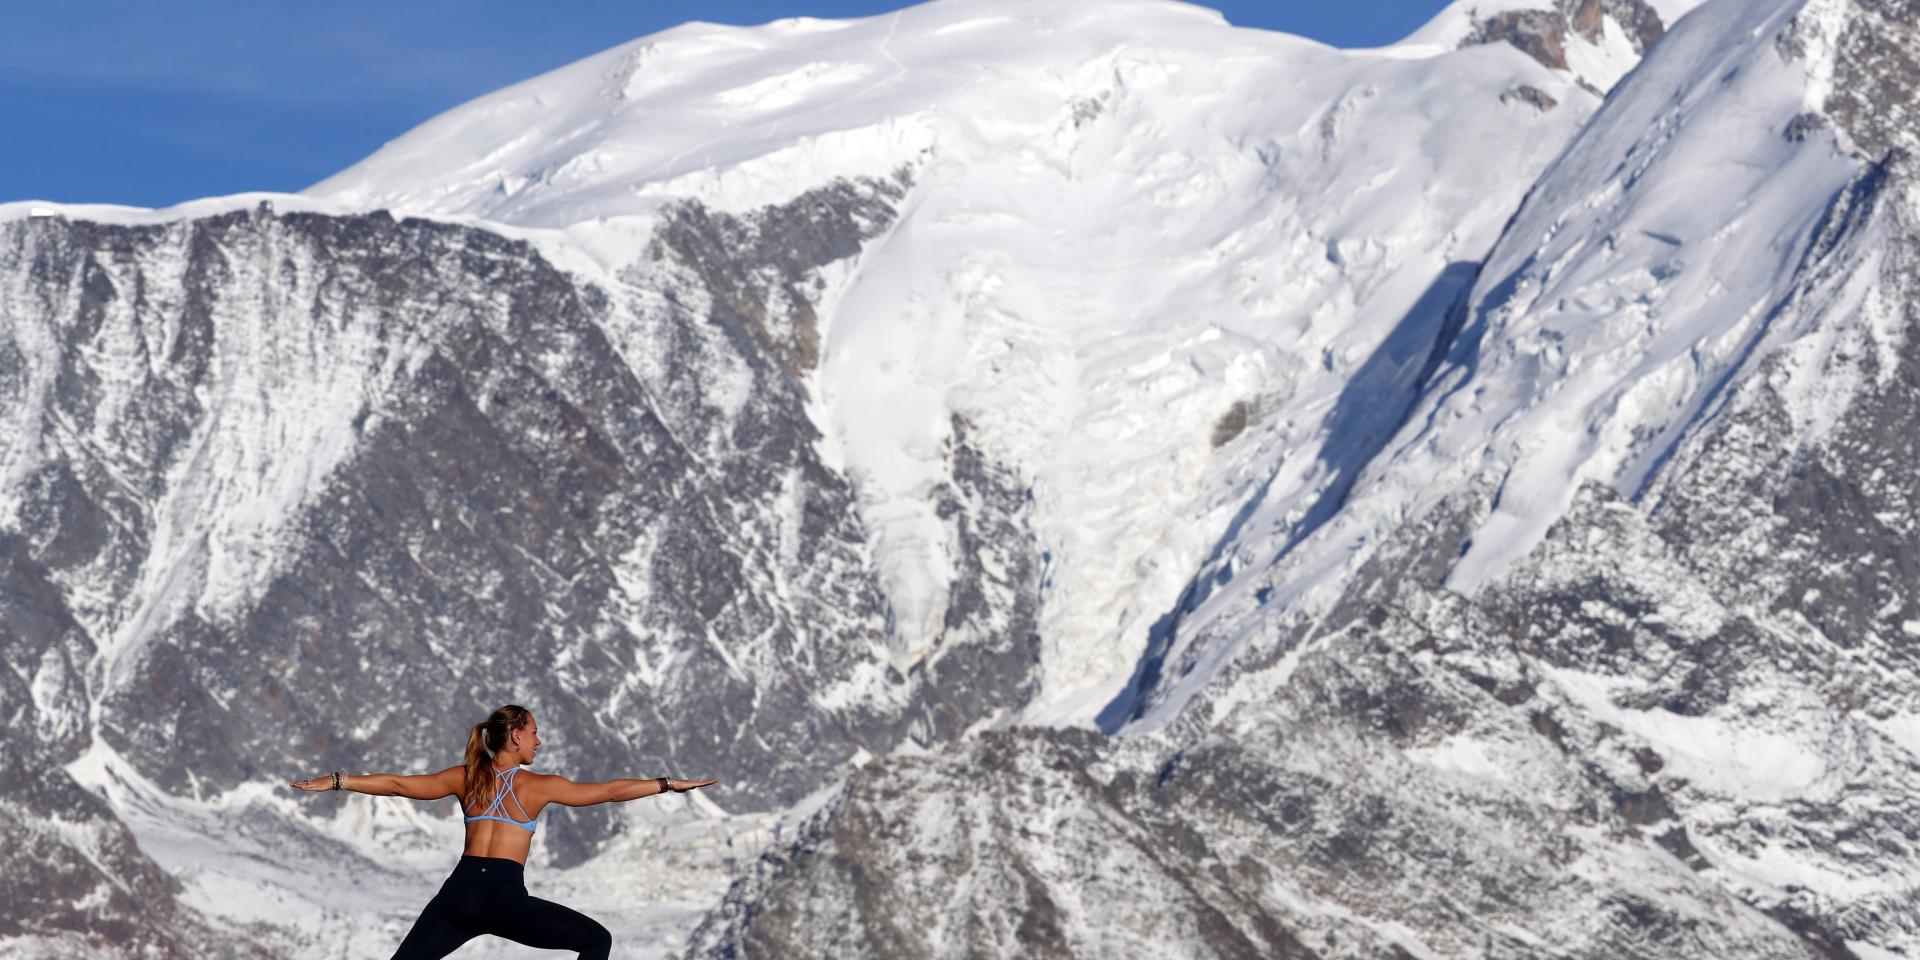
(500, 796)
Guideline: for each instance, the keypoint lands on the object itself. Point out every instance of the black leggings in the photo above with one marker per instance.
(489, 895)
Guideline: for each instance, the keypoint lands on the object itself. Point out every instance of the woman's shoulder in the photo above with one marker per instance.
(533, 785)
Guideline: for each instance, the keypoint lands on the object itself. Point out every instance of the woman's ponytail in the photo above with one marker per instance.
(476, 765)
(485, 739)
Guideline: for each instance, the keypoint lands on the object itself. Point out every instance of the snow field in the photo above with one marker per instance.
(245, 866)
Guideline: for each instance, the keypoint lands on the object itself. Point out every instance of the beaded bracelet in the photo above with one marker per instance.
(336, 779)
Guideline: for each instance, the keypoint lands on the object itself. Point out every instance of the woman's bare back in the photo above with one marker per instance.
(519, 797)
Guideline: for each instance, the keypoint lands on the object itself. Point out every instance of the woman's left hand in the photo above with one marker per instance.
(316, 784)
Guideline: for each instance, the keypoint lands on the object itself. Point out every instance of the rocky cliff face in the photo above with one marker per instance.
(1593, 42)
(76, 882)
(1543, 772)
(498, 470)
(304, 492)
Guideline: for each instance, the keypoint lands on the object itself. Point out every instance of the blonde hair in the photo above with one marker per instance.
(487, 737)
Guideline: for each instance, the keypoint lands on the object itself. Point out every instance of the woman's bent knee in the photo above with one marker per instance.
(599, 943)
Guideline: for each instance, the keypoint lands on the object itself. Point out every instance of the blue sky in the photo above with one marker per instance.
(133, 101)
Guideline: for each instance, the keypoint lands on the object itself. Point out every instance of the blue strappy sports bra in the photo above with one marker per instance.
(500, 796)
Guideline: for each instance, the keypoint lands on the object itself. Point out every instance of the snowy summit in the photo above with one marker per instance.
(1133, 230)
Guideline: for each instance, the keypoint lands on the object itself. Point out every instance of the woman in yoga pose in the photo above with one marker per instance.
(487, 892)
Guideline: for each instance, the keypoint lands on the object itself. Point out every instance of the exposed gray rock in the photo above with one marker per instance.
(984, 663)
(1231, 424)
(758, 268)
(1531, 96)
(1876, 74)
(1542, 34)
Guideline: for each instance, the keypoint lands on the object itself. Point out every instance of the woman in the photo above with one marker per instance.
(487, 892)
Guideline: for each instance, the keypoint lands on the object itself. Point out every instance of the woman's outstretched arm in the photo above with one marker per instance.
(563, 791)
(423, 786)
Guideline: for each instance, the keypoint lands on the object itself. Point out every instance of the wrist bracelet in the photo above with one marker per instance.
(666, 786)
(336, 779)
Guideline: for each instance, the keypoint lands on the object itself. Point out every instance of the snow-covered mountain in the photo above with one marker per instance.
(1609, 650)
(1142, 255)
(1453, 491)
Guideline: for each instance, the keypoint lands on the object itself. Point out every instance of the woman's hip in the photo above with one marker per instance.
(479, 888)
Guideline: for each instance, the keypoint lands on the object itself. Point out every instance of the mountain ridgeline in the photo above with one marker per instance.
(1461, 507)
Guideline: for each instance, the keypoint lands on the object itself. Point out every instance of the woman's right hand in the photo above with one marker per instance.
(682, 786)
